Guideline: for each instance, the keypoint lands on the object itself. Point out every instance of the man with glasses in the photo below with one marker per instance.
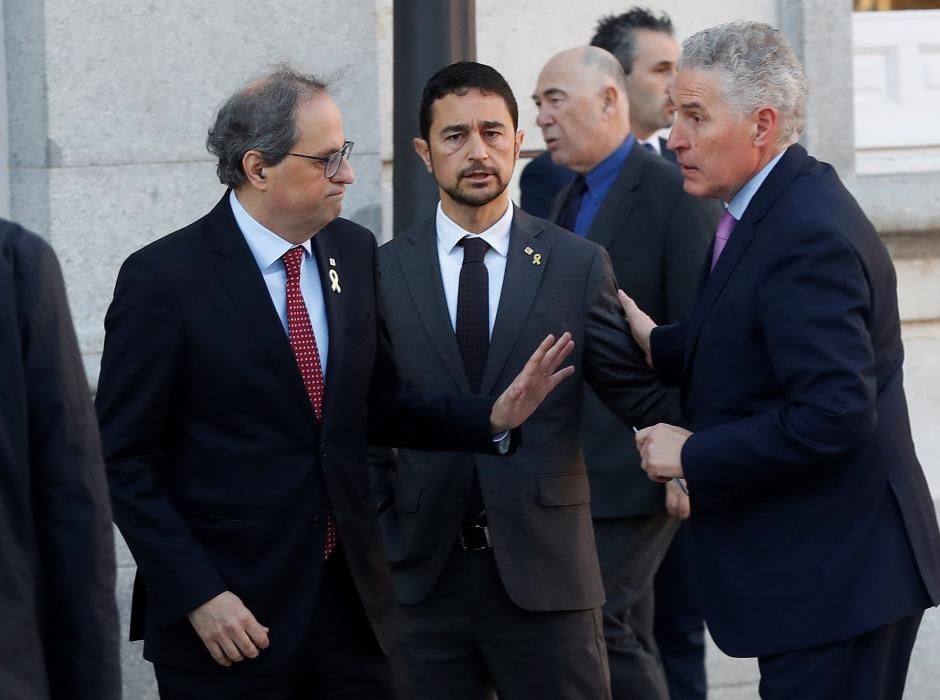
(243, 366)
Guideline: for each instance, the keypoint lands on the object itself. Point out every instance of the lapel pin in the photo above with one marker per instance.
(537, 259)
(527, 251)
(334, 277)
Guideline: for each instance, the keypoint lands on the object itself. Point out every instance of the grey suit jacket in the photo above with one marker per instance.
(537, 500)
(657, 237)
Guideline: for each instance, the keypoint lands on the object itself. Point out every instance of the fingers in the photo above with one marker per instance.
(678, 503)
(626, 302)
(258, 634)
(642, 436)
(216, 652)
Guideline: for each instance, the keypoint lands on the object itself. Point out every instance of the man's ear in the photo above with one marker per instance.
(424, 153)
(254, 166)
(766, 123)
(520, 137)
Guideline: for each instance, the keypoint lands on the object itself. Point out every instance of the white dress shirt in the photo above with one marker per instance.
(267, 248)
(743, 196)
(654, 143)
(450, 255)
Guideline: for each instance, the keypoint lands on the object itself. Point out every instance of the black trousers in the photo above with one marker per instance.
(467, 640)
(630, 551)
(871, 666)
(679, 625)
(341, 659)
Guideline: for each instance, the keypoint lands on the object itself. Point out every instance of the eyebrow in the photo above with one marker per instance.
(692, 105)
(488, 124)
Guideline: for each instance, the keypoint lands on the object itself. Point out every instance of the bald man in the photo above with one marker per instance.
(630, 201)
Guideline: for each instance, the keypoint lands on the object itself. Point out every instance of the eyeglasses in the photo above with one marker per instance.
(332, 161)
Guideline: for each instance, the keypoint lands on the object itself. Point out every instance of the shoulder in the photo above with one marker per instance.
(22, 251)
(574, 247)
(407, 238)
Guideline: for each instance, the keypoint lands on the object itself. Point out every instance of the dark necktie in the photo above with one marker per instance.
(569, 212)
(473, 310)
(304, 344)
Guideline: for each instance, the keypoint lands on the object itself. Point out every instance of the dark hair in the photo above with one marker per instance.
(615, 33)
(458, 79)
(262, 116)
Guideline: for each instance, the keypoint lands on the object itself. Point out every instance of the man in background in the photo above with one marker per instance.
(629, 200)
(58, 620)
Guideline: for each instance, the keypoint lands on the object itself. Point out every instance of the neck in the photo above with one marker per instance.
(253, 202)
(475, 219)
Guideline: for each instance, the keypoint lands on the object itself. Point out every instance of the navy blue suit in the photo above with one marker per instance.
(813, 522)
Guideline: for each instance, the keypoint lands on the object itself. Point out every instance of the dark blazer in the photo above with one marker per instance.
(657, 236)
(58, 620)
(220, 474)
(813, 522)
(540, 182)
(537, 501)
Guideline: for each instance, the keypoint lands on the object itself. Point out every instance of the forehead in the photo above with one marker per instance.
(562, 73)
(472, 106)
(320, 121)
(653, 46)
(693, 86)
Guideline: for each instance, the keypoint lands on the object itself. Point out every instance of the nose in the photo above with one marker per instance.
(677, 137)
(542, 119)
(476, 149)
(345, 174)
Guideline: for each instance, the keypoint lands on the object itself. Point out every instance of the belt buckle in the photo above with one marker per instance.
(475, 538)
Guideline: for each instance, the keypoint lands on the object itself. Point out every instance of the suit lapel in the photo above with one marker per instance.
(620, 199)
(422, 273)
(520, 284)
(326, 247)
(741, 238)
(239, 274)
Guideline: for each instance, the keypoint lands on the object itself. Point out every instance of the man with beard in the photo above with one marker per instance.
(495, 564)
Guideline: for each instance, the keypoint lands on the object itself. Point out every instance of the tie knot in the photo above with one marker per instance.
(725, 225)
(579, 186)
(474, 249)
(292, 259)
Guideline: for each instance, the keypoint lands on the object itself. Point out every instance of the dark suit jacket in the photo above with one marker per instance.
(537, 501)
(220, 474)
(657, 236)
(58, 621)
(813, 522)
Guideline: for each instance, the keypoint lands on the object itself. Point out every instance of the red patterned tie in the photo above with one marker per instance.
(304, 344)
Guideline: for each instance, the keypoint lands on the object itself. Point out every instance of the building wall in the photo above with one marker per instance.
(109, 104)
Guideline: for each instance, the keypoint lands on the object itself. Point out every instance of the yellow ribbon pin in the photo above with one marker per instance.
(334, 281)
(537, 259)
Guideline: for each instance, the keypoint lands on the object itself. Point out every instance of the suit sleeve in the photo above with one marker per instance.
(614, 365)
(140, 366)
(70, 498)
(814, 305)
(402, 417)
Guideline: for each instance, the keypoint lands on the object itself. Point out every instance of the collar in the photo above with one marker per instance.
(654, 143)
(742, 198)
(266, 246)
(497, 235)
(608, 169)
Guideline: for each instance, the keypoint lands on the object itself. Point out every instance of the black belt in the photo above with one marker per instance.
(474, 535)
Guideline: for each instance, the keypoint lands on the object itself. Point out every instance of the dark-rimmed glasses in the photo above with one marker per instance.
(332, 161)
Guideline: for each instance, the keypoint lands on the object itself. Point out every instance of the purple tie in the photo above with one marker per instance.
(722, 235)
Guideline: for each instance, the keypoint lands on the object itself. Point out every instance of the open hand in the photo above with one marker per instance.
(532, 384)
(228, 629)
